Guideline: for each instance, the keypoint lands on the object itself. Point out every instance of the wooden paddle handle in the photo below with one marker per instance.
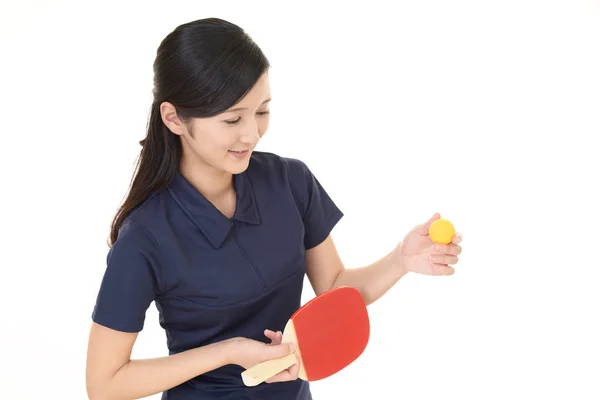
(267, 369)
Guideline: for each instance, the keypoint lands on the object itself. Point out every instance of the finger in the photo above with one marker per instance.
(423, 229)
(443, 259)
(278, 350)
(450, 249)
(457, 238)
(270, 334)
(283, 376)
(277, 338)
(441, 269)
(289, 374)
(294, 370)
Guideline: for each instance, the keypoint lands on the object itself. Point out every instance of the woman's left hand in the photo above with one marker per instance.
(418, 253)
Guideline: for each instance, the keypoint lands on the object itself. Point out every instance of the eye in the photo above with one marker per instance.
(238, 119)
(233, 122)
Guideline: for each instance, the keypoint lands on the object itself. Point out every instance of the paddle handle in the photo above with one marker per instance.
(267, 369)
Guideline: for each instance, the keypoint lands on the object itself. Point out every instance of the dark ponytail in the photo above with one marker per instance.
(203, 68)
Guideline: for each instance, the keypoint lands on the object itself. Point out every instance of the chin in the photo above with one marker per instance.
(236, 171)
(237, 167)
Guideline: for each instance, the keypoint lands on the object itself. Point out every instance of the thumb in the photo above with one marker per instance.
(423, 229)
(279, 350)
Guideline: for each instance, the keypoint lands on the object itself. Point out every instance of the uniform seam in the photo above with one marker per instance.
(291, 191)
(248, 299)
(256, 270)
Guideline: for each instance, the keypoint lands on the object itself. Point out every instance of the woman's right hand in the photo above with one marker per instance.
(247, 353)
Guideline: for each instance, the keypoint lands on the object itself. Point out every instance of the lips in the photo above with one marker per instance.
(239, 154)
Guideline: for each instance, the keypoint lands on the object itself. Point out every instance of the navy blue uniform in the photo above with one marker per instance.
(214, 278)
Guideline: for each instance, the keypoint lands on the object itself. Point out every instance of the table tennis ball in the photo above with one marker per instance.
(441, 231)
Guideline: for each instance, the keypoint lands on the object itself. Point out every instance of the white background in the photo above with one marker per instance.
(487, 112)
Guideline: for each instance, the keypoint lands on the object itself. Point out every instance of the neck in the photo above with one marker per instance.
(213, 184)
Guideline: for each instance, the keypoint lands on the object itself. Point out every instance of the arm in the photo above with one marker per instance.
(326, 271)
(111, 374)
(417, 253)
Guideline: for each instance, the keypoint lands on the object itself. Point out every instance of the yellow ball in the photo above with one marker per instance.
(441, 231)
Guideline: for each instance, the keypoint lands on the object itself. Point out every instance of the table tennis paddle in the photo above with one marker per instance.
(330, 332)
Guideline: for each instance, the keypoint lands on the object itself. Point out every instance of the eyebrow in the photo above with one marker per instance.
(245, 108)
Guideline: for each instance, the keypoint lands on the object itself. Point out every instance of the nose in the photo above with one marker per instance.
(250, 134)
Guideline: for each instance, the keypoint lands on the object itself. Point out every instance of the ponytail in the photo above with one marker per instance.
(155, 168)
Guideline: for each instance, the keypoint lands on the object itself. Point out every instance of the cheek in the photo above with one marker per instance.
(216, 139)
(227, 141)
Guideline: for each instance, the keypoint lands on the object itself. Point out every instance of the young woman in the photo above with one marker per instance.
(220, 236)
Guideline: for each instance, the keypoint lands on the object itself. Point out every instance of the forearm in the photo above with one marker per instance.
(142, 378)
(373, 280)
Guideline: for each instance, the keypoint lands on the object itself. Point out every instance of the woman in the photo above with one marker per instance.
(220, 236)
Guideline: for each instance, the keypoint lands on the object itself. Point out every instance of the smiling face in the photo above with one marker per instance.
(224, 142)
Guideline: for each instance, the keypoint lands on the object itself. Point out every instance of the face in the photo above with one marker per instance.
(226, 141)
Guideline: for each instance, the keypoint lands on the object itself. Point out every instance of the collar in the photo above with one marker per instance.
(213, 224)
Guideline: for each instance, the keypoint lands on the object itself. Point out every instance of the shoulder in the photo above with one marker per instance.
(141, 224)
(136, 236)
(290, 174)
(266, 164)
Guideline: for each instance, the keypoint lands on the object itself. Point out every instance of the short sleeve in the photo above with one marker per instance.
(319, 213)
(130, 281)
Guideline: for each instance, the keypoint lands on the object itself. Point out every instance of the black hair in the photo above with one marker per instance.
(203, 68)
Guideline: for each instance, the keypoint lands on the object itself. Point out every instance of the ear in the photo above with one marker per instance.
(169, 117)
